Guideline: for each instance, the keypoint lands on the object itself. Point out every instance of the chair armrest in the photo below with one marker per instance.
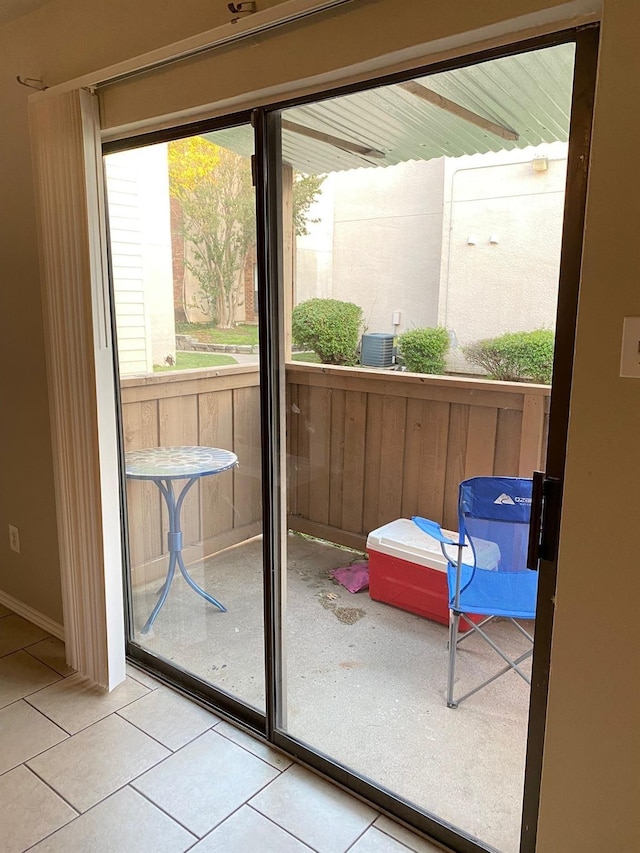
(432, 528)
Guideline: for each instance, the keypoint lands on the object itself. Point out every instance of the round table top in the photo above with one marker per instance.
(177, 463)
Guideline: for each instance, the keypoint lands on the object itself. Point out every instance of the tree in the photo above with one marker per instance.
(214, 189)
(306, 189)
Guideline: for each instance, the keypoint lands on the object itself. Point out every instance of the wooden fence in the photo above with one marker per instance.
(366, 448)
(216, 407)
(363, 448)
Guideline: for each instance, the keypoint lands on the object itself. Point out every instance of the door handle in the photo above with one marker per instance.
(544, 525)
(535, 520)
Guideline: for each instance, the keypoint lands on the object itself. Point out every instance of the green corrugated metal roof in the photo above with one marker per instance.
(528, 94)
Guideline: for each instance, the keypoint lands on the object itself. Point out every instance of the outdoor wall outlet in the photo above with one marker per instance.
(14, 538)
(630, 357)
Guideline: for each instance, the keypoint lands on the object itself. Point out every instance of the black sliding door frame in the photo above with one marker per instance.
(196, 688)
(267, 172)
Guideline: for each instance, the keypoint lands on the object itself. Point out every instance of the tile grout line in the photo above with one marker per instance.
(129, 784)
(88, 726)
(158, 807)
(153, 737)
(25, 649)
(364, 832)
(246, 749)
(62, 675)
(51, 788)
(42, 752)
(275, 823)
(413, 832)
(198, 838)
(31, 705)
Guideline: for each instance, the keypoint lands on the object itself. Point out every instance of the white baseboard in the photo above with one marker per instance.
(39, 619)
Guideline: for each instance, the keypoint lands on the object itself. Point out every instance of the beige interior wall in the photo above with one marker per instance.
(591, 777)
(590, 790)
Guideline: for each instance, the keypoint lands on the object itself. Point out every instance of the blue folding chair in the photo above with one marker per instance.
(493, 519)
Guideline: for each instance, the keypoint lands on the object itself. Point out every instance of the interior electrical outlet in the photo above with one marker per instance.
(14, 538)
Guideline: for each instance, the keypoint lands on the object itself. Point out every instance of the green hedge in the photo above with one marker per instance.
(330, 328)
(424, 350)
(515, 356)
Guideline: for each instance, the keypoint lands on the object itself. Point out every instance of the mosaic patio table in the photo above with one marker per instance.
(163, 465)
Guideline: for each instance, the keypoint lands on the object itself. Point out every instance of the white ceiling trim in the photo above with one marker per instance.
(258, 22)
(574, 13)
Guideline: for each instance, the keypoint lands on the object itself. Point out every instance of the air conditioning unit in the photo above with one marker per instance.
(377, 350)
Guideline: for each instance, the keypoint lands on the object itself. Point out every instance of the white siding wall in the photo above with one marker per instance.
(139, 221)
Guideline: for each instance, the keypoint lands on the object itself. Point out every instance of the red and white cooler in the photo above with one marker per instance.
(407, 568)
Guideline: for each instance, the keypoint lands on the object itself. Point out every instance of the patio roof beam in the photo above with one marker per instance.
(342, 144)
(443, 103)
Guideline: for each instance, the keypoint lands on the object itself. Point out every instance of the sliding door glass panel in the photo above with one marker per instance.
(182, 225)
(426, 221)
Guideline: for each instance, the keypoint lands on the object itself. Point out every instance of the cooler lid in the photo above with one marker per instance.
(404, 539)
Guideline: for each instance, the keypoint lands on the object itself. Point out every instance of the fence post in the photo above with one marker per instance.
(531, 434)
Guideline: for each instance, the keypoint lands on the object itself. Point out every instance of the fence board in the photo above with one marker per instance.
(302, 456)
(531, 435)
(456, 456)
(476, 392)
(481, 441)
(433, 461)
(354, 483)
(185, 382)
(140, 429)
(373, 450)
(178, 421)
(293, 421)
(215, 417)
(319, 453)
(507, 443)
(412, 457)
(247, 503)
(394, 418)
(336, 476)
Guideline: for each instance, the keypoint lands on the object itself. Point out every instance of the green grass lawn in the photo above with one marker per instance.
(305, 356)
(206, 334)
(187, 360)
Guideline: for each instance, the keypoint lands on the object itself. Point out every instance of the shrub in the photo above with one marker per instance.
(516, 356)
(330, 328)
(424, 350)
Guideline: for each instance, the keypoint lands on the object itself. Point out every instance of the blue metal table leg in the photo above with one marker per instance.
(174, 543)
(164, 591)
(185, 574)
(198, 589)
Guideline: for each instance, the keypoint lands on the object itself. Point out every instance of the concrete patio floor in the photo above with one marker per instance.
(365, 682)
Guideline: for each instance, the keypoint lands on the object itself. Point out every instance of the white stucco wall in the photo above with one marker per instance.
(139, 222)
(488, 288)
(314, 251)
(378, 243)
(397, 239)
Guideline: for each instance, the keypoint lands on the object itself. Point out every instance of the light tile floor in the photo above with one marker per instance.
(144, 770)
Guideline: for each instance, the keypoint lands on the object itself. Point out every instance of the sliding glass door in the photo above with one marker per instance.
(426, 222)
(183, 253)
(328, 315)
